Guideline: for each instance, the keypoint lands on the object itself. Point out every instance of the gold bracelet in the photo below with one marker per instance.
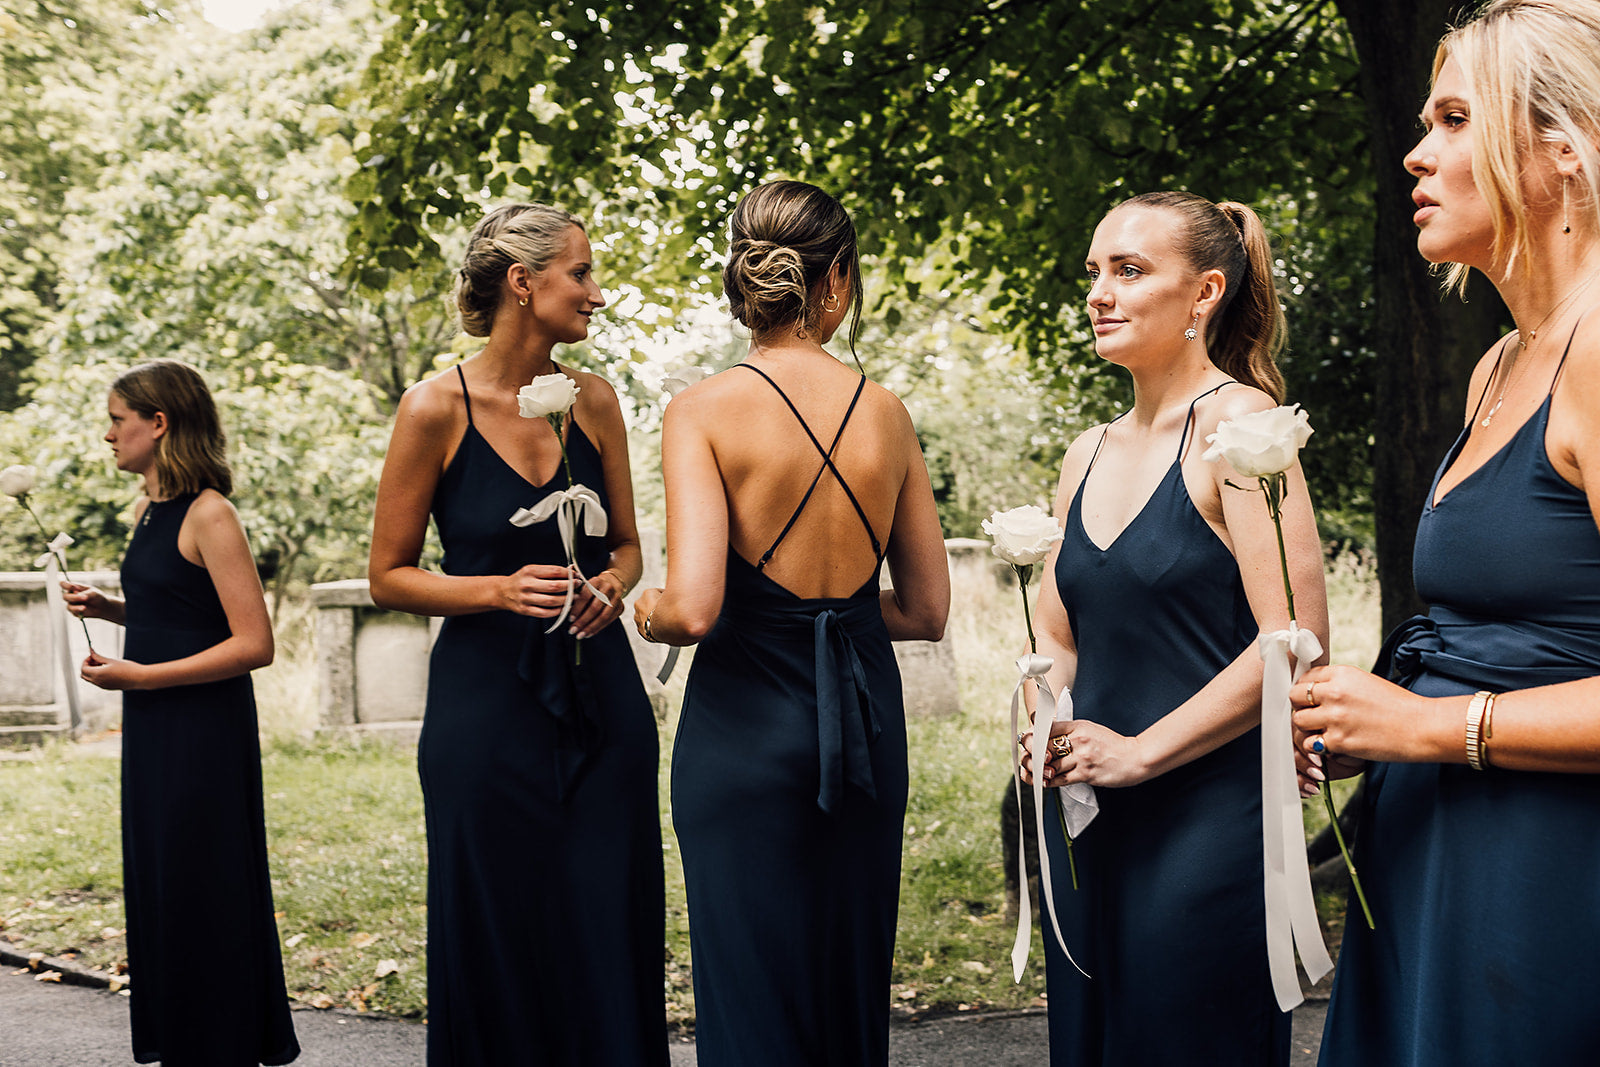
(648, 635)
(626, 588)
(1475, 707)
(1488, 730)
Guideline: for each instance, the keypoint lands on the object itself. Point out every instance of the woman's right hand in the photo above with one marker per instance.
(85, 601)
(539, 590)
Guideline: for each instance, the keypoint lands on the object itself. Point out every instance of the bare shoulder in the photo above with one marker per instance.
(212, 509)
(1075, 463)
(597, 403)
(432, 402)
(1230, 403)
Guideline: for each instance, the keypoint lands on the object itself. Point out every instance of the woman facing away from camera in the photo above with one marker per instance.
(194, 846)
(538, 754)
(1150, 609)
(1480, 837)
(790, 481)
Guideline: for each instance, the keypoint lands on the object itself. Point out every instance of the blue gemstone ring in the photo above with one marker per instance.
(1317, 745)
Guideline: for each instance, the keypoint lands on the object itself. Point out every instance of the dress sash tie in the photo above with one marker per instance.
(847, 716)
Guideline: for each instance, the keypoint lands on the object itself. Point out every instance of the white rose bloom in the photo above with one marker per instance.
(1022, 536)
(18, 481)
(546, 395)
(682, 378)
(1261, 443)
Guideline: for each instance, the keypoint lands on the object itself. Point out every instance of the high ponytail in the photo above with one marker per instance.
(1247, 332)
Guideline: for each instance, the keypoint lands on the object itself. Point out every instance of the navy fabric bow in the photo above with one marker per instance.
(847, 717)
(565, 689)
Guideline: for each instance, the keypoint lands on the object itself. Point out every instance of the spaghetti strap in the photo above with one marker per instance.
(464, 394)
(1101, 444)
(1490, 381)
(1564, 353)
(827, 465)
(1188, 420)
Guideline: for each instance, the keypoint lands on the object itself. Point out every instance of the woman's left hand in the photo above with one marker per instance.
(1095, 755)
(1346, 715)
(112, 674)
(589, 614)
(642, 609)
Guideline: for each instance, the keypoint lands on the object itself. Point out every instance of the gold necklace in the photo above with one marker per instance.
(1523, 344)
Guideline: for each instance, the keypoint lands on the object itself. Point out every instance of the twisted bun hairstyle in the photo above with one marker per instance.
(1247, 331)
(786, 237)
(530, 234)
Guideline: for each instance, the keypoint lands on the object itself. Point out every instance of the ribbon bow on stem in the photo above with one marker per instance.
(571, 507)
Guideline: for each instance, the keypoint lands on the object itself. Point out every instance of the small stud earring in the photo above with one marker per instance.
(1191, 333)
(830, 303)
(522, 303)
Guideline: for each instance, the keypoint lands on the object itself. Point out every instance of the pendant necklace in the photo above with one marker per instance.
(1523, 344)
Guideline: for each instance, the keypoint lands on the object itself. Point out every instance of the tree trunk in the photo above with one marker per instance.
(1427, 341)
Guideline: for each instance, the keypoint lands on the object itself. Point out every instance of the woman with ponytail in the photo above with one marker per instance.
(1150, 609)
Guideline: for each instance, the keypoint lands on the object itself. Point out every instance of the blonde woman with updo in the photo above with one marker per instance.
(1479, 840)
(790, 481)
(545, 887)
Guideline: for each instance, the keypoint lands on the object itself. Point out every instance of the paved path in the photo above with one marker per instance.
(48, 1025)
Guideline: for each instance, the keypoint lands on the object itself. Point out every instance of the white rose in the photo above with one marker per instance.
(682, 378)
(1261, 442)
(1022, 536)
(18, 481)
(548, 394)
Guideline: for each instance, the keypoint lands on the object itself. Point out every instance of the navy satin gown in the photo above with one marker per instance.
(789, 790)
(546, 909)
(194, 843)
(1485, 885)
(1169, 917)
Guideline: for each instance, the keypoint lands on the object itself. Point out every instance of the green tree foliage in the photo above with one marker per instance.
(55, 57)
(213, 231)
(998, 130)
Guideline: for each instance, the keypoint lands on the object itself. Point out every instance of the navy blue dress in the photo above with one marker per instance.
(194, 842)
(1169, 918)
(1485, 884)
(788, 795)
(546, 909)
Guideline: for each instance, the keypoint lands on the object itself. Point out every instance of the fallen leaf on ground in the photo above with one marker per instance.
(387, 967)
(293, 941)
(323, 1001)
(362, 940)
(47, 976)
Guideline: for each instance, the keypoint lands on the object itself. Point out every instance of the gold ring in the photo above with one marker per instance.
(1311, 698)
(1061, 745)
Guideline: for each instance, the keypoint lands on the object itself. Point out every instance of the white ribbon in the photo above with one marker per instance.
(578, 504)
(1291, 911)
(667, 664)
(58, 616)
(1078, 803)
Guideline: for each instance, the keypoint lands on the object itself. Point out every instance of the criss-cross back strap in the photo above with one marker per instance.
(827, 465)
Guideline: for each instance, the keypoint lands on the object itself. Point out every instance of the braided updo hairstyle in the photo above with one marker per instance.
(1247, 331)
(530, 234)
(786, 237)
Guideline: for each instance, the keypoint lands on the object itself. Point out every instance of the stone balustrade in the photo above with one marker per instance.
(33, 681)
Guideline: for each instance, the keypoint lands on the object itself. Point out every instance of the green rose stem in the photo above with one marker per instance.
(23, 500)
(1274, 486)
(1024, 572)
(556, 419)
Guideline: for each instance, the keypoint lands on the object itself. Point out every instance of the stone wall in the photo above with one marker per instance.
(372, 664)
(33, 682)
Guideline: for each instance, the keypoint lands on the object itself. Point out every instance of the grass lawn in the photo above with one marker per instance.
(348, 851)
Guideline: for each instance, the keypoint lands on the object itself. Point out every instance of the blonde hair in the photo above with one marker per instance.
(1532, 70)
(1247, 331)
(193, 454)
(787, 236)
(530, 234)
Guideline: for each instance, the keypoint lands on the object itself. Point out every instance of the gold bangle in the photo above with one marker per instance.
(1488, 730)
(648, 635)
(1475, 708)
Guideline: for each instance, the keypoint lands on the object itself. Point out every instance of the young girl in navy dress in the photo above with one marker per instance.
(194, 848)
